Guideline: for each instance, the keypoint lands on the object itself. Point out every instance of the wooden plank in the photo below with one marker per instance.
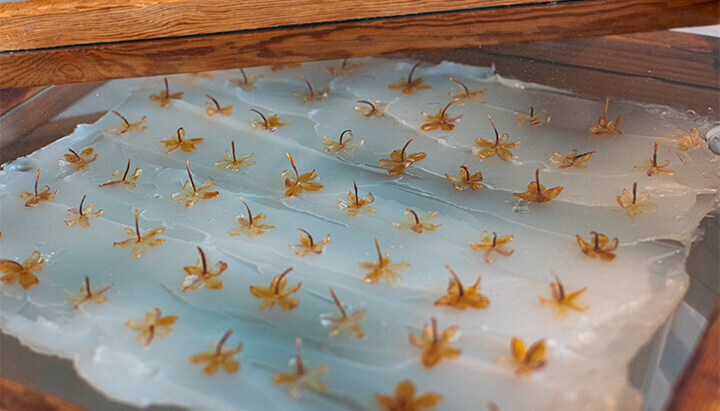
(19, 397)
(699, 387)
(472, 28)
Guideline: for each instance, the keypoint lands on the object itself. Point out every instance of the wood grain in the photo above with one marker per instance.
(495, 25)
(18, 397)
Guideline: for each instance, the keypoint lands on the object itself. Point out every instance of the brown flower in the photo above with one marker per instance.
(202, 274)
(465, 179)
(250, 226)
(23, 274)
(531, 118)
(212, 108)
(653, 167)
(384, 269)
(342, 322)
(464, 94)
(78, 161)
(191, 194)
(526, 360)
(300, 376)
(311, 95)
(276, 293)
(441, 120)
(128, 126)
(37, 197)
(138, 242)
(123, 178)
(153, 325)
(247, 83)
(270, 124)
(81, 216)
(218, 357)
(347, 145)
(561, 299)
(232, 162)
(308, 245)
(180, 142)
(536, 192)
(296, 184)
(416, 223)
(600, 246)
(343, 70)
(460, 297)
(634, 203)
(409, 85)
(356, 205)
(373, 109)
(500, 146)
(164, 97)
(86, 294)
(604, 127)
(406, 400)
(399, 162)
(436, 346)
(493, 246)
(573, 159)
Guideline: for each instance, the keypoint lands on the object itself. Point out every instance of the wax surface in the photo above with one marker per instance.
(588, 352)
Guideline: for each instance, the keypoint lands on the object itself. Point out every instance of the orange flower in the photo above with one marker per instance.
(634, 203)
(230, 161)
(276, 293)
(79, 161)
(81, 216)
(347, 146)
(311, 95)
(212, 108)
(201, 274)
(124, 179)
(300, 376)
(601, 246)
(296, 184)
(164, 97)
(37, 197)
(341, 322)
(493, 246)
(89, 294)
(525, 360)
(269, 124)
(23, 274)
(562, 300)
(399, 162)
(218, 357)
(343, 70)
(531, 118)
(247, 83)
(499, 147)
(687, 139)
(536, 192)
(436, 347)
(356, 205)
(441, 120)
(460, 297)
(252, 227)
(307, 245)
(405, 399)
(418, 224)
(191, 194)
(186, 145)
(653, 167)
(466, 95)
(465, 179)
(282, 66)
(375, 109)
(604, 127)
(140, 242)
(409, 85)
(153, 325)
(573, 159)
(384, 270)
(128, 127)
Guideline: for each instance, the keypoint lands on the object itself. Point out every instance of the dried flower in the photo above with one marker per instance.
(247, 83)
(311, 95)
(212, 108)
(493, 246)
(140, 242)
(271, 124)
(180, 142)
(562, 300)
(201, 274)
(164, 97)
(634, 203)
(307, 245)
(300, 376)
(399, 162)
(460, 297)
(687, 139)
(600, 246)
(250, 226)
(604, 127)
(341, 322)
(465, 179)
(356, 205)
(276, 293)
(416, 223)
(202, 74)
(128, 127)
(283, 66)
(230, 161)
(653, 167)
(191, 194)
(343, 70)
(464, 94)
(86, 294)
(531, 118)
(296, 184)
(499, 147)
(384, 269)
(405, 399)
(441, 120)
(153, 325)
(78, 161)
(409, 85)
(81, 216)
(573, 159)
(375, 109)
(218, 357)
(536, 192)
(525, 360)
(23, 274)
(347, 146)
(37, 197)
(123, 178)
(435, 347)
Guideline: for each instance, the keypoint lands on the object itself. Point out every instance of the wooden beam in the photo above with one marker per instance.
(529, 21)
(19, 397)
